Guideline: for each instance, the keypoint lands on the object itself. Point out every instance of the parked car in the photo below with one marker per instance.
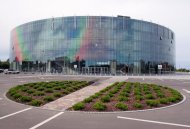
(11, 71)
(1, 70)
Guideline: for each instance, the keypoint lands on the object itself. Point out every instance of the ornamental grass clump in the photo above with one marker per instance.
(99, 106)
(138, 105)
(152, 103)
(121, 106)
(149, 96)
(36, 103)
(79, 106)
(48, 98)
(122, 98)
(88, 100)
(25, 98)
(105, 99)
(164, 101)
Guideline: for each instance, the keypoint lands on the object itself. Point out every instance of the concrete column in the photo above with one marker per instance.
(48, 66)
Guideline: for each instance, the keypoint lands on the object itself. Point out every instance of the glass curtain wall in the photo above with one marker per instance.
(92, 45)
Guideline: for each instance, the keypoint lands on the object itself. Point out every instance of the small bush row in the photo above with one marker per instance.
(39, 93)
(141, 96)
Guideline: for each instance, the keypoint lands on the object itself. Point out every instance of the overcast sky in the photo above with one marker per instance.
(174, 14)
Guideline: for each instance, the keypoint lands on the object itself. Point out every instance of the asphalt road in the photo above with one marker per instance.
(18, 116)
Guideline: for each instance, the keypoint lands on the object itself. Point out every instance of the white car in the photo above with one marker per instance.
(11, 71)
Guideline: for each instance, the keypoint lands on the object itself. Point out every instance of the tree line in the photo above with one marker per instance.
(4, 64)
(182, 70)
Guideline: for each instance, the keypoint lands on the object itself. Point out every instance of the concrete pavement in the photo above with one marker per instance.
(176, 117)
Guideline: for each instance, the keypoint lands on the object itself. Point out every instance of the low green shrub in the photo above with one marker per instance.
(139, 97)
(114, 91)
(99, 106)
(105, 89)
(25, 98)
(57, 95)
(105, 98)
(160, 95)
(156, 88)
(57, 88)
(63, 87)
(35, 87)
(152, 103)
(49, 90)
(174, 92)
(16, 96)
(36, 103)
(172, 99)
(12, 93)
(149, 96)
(30, 91)
(102, 91)
(110, 94)
(31, 85)
(138, 105)
(164, 101)
(40, 88)
(83, 85)
(70, 89)
(146, 87)
(49, 86)
(38, 93)
(96, 95)
(122, 98)
(137, 92)
(177, 96)
(124, 94)
(147, 92)
(127, 90)
(24, 89)
(137, 84)
(121, 106)
(88, 100)
(65, 92)
(76, 87)
(48, 98)
(79, 106)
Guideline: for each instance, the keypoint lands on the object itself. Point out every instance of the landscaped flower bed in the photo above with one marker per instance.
(40, 93)
(122, 96)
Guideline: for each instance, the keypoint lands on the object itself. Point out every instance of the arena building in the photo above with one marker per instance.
(92, 45)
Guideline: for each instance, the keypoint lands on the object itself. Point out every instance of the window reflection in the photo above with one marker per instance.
(135, 46)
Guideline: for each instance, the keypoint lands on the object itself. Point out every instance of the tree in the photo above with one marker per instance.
(4, 64)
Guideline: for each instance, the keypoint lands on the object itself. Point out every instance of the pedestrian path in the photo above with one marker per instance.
(75, 97)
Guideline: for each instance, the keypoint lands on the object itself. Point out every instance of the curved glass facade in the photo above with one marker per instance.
(92, 44)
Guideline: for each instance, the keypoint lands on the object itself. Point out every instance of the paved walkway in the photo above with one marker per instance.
(75, 97)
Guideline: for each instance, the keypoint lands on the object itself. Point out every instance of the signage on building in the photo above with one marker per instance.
(159, 66)
(75, 66)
